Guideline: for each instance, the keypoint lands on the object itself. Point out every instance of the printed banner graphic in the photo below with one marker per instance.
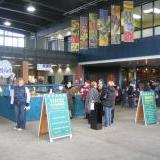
(74, 35)
(115, 24)
(103, 27)
(93, 33)
(128, 21)
(83, 32)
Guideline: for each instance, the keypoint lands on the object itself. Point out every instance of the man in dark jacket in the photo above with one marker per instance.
(108, 100)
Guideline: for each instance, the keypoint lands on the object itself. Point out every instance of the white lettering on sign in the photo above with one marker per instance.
(5, 69)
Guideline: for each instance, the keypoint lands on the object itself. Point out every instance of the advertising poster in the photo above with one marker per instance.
(115, 24)
(74, 35)
(128, 21)
(103, 27)
(93, 32)
(83, 32)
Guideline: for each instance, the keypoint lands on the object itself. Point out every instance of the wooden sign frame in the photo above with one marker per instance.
(43, 126)
(140, 113)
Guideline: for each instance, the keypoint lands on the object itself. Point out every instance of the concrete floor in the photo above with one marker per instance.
(123, 141)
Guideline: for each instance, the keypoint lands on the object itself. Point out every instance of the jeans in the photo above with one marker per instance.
(108, 116)
(20, 112)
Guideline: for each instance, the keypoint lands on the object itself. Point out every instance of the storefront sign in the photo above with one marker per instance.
(44, 67)
(5, 69)
(115, 25)
(146, 110)
(83, 32)
(74, 35)
(93, 33)
(128, 35)
(103, 28)
(55, 118)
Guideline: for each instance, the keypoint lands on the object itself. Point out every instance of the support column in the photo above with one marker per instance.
(25, 71)
(80, 73)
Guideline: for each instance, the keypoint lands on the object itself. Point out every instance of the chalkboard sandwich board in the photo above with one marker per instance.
(146, 110)
(55, 118)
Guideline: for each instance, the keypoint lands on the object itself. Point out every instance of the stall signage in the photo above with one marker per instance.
(5, 69)
(55, 118)
(44, 67)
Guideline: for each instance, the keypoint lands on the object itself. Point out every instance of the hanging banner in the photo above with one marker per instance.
(103, 27)
(5, 69)
(115, 25)
(93, 34)
(83, 32)
(128, 35)
(74, 35)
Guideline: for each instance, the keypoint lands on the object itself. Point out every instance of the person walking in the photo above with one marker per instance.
(20, 99)
(108, 101)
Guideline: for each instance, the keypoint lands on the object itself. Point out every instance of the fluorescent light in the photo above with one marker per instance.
(136, 16)
(7, 23)
(148, 10)
(31, 8)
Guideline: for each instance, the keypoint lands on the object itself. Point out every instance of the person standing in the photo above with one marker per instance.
(108, 101)
(92, 97)
(20, 99)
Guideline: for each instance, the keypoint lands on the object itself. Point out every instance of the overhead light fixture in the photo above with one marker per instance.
(136, 16)
(68, 33)
(31, 9)
(7, 23)
(59, 36)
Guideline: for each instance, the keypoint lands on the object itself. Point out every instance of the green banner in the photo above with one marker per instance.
(149, 108)
(115, 25)
(128, 35)
(74, 35)
(93, 33)
(58, 118)
(83, 32)
(103, 28)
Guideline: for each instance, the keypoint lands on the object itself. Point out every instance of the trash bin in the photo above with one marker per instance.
(96, 117)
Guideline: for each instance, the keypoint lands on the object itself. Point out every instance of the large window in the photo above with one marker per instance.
(11, 39)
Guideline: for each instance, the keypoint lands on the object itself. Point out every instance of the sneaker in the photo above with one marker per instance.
(15, 128)
(20, 129)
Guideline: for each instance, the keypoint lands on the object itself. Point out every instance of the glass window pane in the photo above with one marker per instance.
(1, 40)
(157, 30)
(147, 15)
(148, 32)
(1, 32)
(137, 18)
(15, 42)
(137, 34)
(157, 13)
(8, 41)
(7, 33)
(20, 42)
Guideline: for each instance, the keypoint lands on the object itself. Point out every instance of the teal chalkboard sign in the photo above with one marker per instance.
(149, 108)
(55, 117)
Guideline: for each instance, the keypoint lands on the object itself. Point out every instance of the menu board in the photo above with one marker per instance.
(146, 110)
(149, 107)
(55, 118)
